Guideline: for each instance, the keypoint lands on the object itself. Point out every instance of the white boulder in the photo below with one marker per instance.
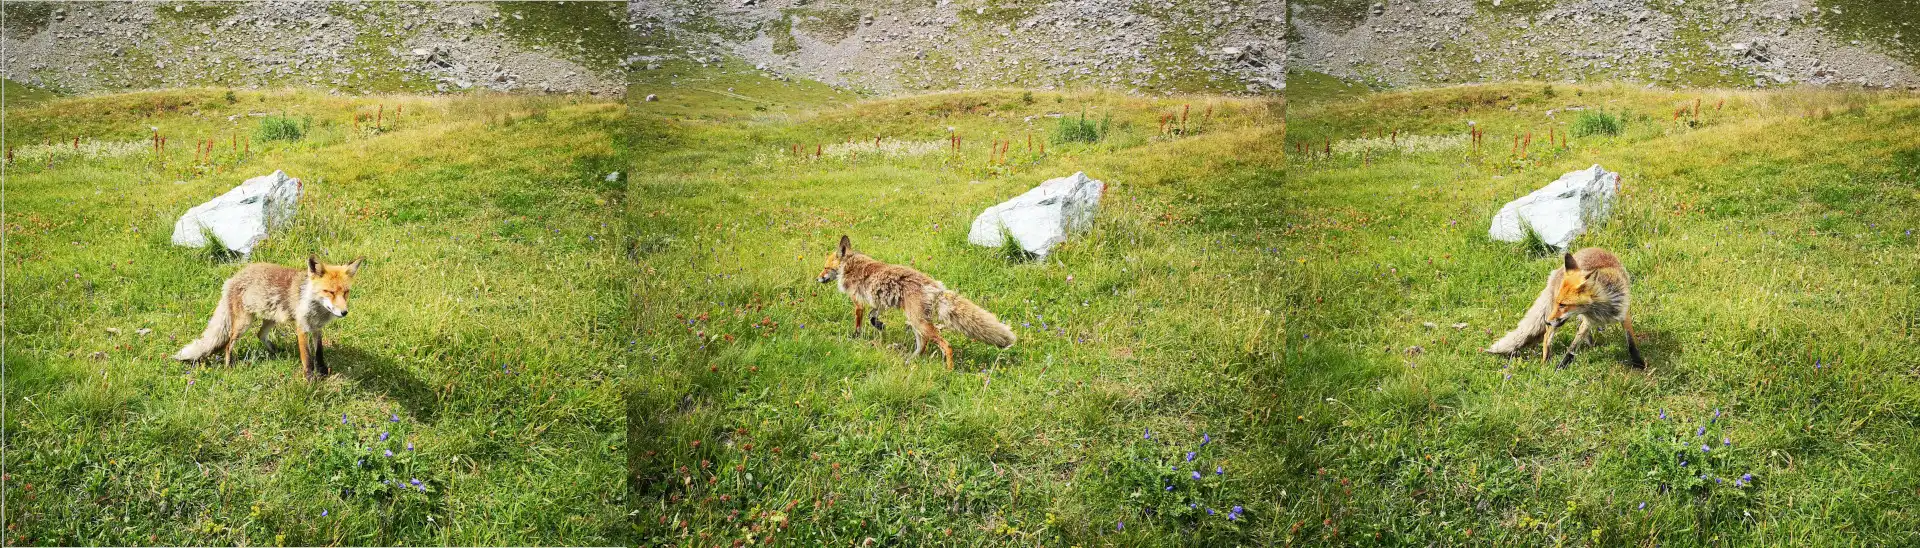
(1041, 218)
(1560, 211)
(242, 217)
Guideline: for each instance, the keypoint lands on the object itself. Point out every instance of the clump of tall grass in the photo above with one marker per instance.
(1596, 123)
(283, 128)
(1082, 130)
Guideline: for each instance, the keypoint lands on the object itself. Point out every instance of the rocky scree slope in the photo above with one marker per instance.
(1677, 43)
(569, 47)
(1145, 46)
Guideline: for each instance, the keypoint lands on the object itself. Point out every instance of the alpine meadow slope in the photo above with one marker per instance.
(757, 417)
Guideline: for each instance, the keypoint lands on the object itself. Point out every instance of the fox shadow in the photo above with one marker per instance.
(378, 373)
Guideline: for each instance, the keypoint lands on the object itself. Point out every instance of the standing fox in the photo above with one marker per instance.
(879, 286)
(1593, 286)
(277, 294)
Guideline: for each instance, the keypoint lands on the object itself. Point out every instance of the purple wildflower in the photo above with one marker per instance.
(396, 418)
(1148, 435)
(1643, 506)
(1120, 525)
(1704, 448)
(1196, 474)
(1701, 432)
(389, 452)
(343, 419)
(323, 513)
(1219, 470)
(1205, 439)
(1189, 456)
(383, 436)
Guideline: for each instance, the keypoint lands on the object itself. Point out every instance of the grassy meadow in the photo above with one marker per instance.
(1771, 237)
(483, 350)
(757, 418)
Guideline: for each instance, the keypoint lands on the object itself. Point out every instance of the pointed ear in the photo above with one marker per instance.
(846, 245)
(353, 268)
(313, 265)
(1571, 266)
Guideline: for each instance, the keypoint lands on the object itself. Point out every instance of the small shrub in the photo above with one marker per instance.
(283, 128)
(1596, 123)
(1081, 130)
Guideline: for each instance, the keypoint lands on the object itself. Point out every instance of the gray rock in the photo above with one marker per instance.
(1042, 217)
(243, 216)
(1562, 210)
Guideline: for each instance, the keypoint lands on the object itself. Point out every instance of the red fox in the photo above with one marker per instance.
(879, 286)
(276, 294)
(1593, 286)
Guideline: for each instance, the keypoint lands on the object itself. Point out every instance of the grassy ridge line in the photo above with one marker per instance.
(488, 311)
(1013, 445)
(1767, 237)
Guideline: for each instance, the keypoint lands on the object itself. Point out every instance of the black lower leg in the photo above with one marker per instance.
(874, 320)
(1568, 360)
(319, 356)
(1633, 351)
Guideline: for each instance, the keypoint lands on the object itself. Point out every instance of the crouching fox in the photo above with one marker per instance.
(1593, 286)
(276, 294)
(876, 286)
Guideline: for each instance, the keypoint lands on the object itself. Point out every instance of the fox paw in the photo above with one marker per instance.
(877, 324)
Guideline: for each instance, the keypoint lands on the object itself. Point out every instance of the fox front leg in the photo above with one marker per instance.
(875, 320)
(859, 317)
(306, 357)
(1582, 337)
(320, 354)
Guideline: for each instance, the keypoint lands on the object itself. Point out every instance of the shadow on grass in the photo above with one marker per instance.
(379, 374)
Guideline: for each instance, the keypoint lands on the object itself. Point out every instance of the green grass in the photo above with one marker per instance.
(486, 327)
(282, 128)
(1595, 123)
(196, 12)
(754, 414)
(22, 95)
(1772, 246)
(592, 33)
(1887, 23)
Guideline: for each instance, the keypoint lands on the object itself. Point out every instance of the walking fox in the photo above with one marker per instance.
(1593, 286)
(879, 286)
(276, 294)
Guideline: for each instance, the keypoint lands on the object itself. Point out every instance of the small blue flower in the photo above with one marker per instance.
(1663, 413)
(1704, 448)
(1196, 474)
(343, 420)
(1219, 470)
(1683, 464)
(323, 513)
(1726, 441)
(1237, 510)
(1205, 439)
(1643, 506)
(415, 482)
(1701, 432)
(409, 446)
(1189, 456)
(396, 418)
(1148, 435)
(1120, 525)
(1169, 487)
(1209, 511)
(383, 436)
(389, 452)
(361, 462)
(1746, 478)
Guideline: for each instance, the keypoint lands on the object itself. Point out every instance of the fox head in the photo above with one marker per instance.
(331, 283)
(832, 271)
(1573, 294)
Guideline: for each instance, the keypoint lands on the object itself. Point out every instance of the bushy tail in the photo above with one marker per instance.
(1533, 325)
(214, 337)
(976, 322)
